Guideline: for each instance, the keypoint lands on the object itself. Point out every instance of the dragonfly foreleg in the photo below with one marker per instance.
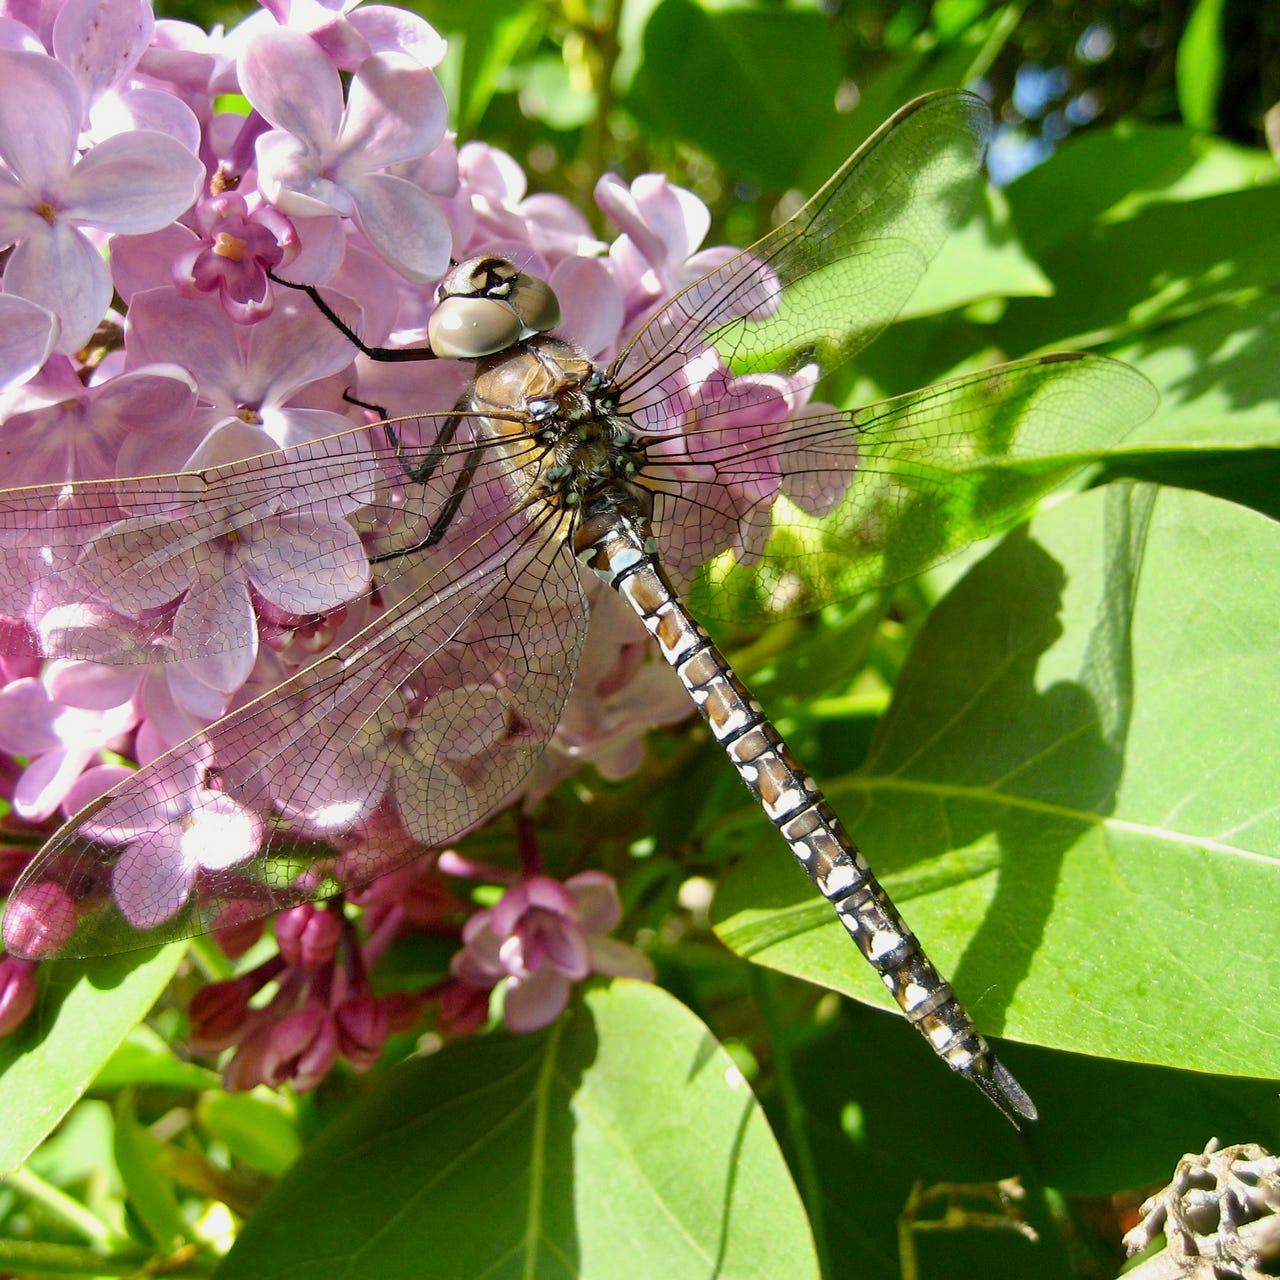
(391, 355)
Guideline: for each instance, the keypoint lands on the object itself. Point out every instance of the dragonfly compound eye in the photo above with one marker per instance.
(467, 328)
(536, 304)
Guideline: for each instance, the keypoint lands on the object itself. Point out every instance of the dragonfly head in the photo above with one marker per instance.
(486, 305)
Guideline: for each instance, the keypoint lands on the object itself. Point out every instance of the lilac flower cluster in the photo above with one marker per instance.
(153, 176)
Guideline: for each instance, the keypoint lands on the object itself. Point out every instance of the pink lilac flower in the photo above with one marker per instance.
(128, 183)
(325, 157)
(74, 432)
(237, 244)
(186, 827)
(59, 743)
(542, 938)
(164, 606)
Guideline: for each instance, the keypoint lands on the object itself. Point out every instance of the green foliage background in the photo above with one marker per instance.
(1059, 752)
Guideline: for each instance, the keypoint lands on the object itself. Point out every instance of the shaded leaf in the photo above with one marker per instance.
(620, 1142)
(1072, 792)
(85, 1011)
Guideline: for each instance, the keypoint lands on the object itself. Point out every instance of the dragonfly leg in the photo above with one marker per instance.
(390, 355)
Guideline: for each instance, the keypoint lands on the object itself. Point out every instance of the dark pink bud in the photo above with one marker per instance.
(308, 936)
(463, 1009)
(39, 921)
(303, 1046)
(238, 927)
(404, 1010)
(17, 992)
(362, 1024)
(218, 1014)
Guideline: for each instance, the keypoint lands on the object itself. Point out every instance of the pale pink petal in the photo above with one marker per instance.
(308, 565)
(148, 109)
(591, 306)
(596, 905)
(100, 41)
(535, 1001)
(39, 117)
(218, 833)
(62, 272)
(403, 224)
(292, 84)
(395, 111)
(43, 784)
(293, 346)
(133, 183)
(220, 606)
(164, 327)
(27, 335)
(91, 685)
(289, 175)
(151, 880)
(388, 29)
(94, 782)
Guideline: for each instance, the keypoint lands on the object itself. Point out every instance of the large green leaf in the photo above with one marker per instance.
(1109, 175)
(622, 1142)
(711, 74)
(1072, 796)
(1167, 262)
(85, 1012)
(1218, 378)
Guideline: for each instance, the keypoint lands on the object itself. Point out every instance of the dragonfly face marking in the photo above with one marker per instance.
(699, 445)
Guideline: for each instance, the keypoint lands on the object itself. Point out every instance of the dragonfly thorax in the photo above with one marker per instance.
(586, 449)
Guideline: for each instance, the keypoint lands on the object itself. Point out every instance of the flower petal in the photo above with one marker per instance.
(291, 83)
(308, 565)
(62, 272)
(395, 111)
(535, 1001)
(39, 117)
(133, 183)
(403, 224)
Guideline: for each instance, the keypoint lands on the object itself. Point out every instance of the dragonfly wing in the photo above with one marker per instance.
(98, 568)
(434, 712)
(832, 504)
(827, 281)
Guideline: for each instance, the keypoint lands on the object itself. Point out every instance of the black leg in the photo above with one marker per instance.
(391, 355)
(440, 525)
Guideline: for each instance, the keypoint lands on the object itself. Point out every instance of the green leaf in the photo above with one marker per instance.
(1167, 263)
(1110, 175)
(980, 259)
(619, 1143)
(259, 1128)
(145, 1058)
(1073, 790)
(1218, 379)
(1201, 64)
(693, 52)
(85, 1011)
(150, 1191)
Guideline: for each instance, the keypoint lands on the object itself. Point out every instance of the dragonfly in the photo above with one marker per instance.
(489, 527)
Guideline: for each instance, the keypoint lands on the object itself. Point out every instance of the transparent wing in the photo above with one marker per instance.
(435, 712)
(135, 570)
(824, 284)
(832, 504)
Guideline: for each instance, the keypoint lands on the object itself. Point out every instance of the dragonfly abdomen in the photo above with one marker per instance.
(622, 554)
